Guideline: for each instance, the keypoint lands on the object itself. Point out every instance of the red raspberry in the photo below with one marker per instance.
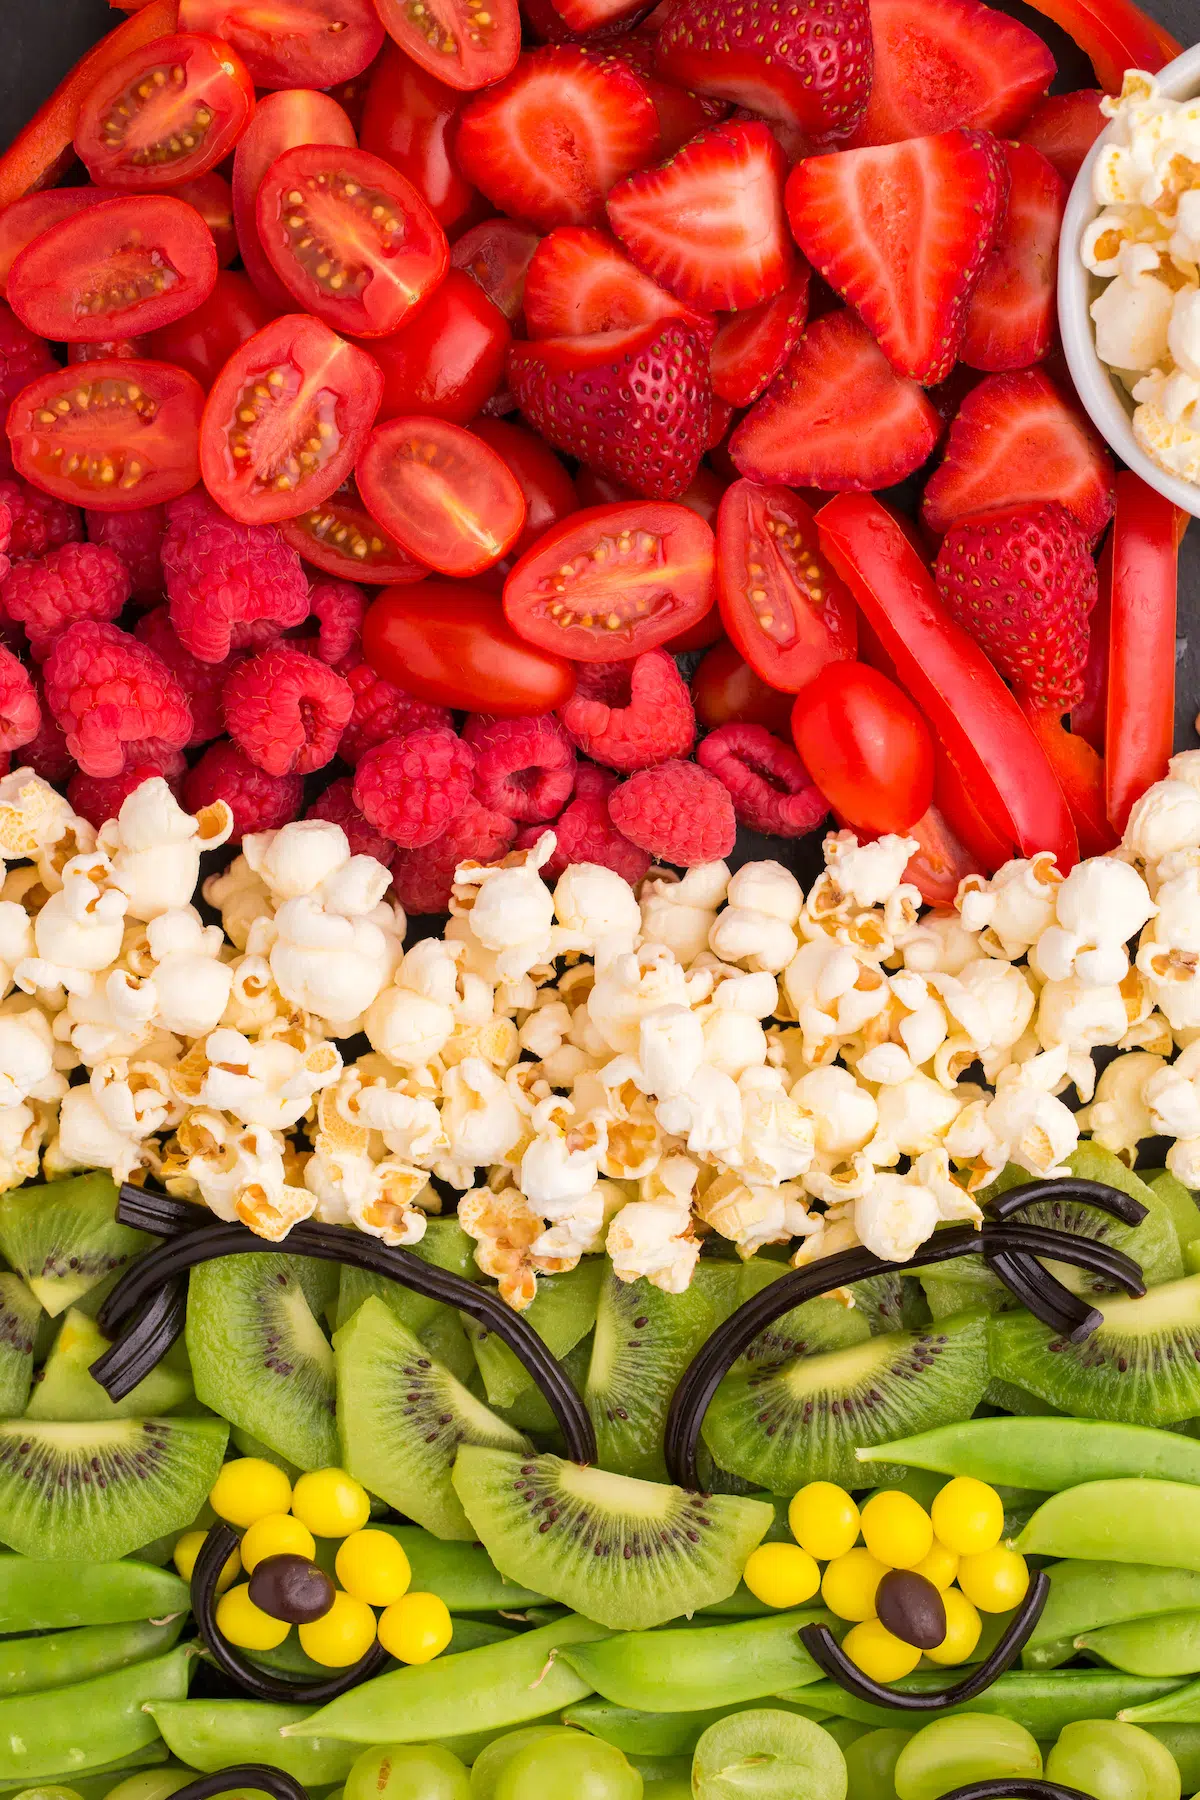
(771, 788)
(39, 522)
(631, 715)
(286, 710)
(203, 682)
(22, 357)
(117, 701)
(137, 538)
(231, 586)
(99, 798)
(47, 754)
(593, 783)
(80, 581)
(260, 802)
(20, 711)
(5, 539)
(423, 878)
(339, 609)
(382, 711)
(414, 787)
(678, 812)
(337, 805)
(524, 767)
(586, 833)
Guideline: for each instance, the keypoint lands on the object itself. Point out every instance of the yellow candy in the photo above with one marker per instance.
(372, 1566)
(995, 1580)
(249, 1489)
(782, 1575)
(331, 1503)
(278, 1534)
(416, 1629)
(963, 1626)
(245, 1624)
(824, 1520)
(878, 1654)
(849, 1583)
(940, 1566)
(896, 1530)
(343, 1636)
(188, 1548)
(968, 1516)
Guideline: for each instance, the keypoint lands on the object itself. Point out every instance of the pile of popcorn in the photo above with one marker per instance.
(591, 1069)
(1146, 245)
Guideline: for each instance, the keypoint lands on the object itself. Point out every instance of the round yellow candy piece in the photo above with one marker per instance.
(897, 1530)
(968, 1516)
(372, 1566)
(782, 1575)
(247, 1625)
(963, 1626)
(278, 1534)
(248, 1489)
(940, 1566)
(824, 1520)
(331, 1503)
(416, 1628)
(188, 1548)
(873, 1648)
(849, 1584)
(343, 1636)
(995, 1580)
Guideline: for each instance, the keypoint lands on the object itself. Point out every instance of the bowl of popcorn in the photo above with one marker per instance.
(1129, 279)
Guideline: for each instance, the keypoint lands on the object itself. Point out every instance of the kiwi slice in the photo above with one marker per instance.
(439, 1327)
(1141, 1367)
(402, 1417)
(530, 1411)
(1154, 1244)
(784, 1425)
(1185, 1213)
(563, 1311)
(260, 1358)
(63, 1237)
(891, 1303)
(97, 1490)
(628, 1554)
(1009, 1398)
(20, 1316)
(65, 1389)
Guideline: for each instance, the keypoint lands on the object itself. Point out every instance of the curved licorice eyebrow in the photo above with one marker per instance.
(262, 1778)
(1015, 1787)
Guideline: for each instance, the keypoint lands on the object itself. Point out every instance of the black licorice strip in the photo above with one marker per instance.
(1039, 1292)
(214, 1554)
(829, 1656)
(1010, 1787)
(146, 1209)
(263, 1778)
(1049, 1240)
(1113, 1201)
(133, 1355)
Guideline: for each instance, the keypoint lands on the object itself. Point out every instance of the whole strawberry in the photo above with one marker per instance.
(1023, 584)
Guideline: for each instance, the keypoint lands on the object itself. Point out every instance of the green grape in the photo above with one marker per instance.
(407, 1772)
(968, 1747)
(1114, 1762)
(586, 1768)
(764, 1754)
(485, 1771)
(871, 1764)
(47, 1793)
(151, 1784)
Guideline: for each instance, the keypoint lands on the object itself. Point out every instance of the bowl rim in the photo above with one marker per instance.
(1180, 80)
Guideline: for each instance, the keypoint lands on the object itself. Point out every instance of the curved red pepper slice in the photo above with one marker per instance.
(1080, 772)
(1115, 34)
(1140, 727)
(1090, 718)
(948, 675)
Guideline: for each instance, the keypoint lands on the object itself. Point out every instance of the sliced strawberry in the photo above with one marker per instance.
(680, 114)
(1010, 321)
(547, 25)
(587, 16)
(838, 416)
(547, 142)
(709, 223)
(808, 63)
(791, 140)
(580, 281)
(941, 63)
(751, 347)
(1016, 442)
(1064, 127)
(634, 404)
(902, 232)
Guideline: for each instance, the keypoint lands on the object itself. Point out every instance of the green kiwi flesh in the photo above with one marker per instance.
(1185, 1213)
(63, 1237)
(563, 1311)
(530, 1411)
(1141, 1367)
(891, 1303)
(99, 1489)
(402, 1418)
(65, 1388)
(782, 1424)
(20, 1316)
(439, 1327)
(628, 1554)
(260, 1358)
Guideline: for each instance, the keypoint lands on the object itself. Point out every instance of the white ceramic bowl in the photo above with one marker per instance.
(1109, 406)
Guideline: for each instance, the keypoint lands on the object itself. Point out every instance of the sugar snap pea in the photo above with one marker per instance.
(1119, 1521)
(684, 1670)
(1042, 1703)
(45, 1596)
(211, 1735)
(640, 1733)
(1085, 1596)
(463, 1575)
(98, 1783)
(61, 1657)
(91, 1723)
(1167, 1644)
(1048, 1454)
(1181, 1706)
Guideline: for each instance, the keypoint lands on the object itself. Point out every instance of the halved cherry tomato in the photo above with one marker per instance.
(942, 861)
(612, 581)
(204, 342)
(449, 359)
(349, 237)
(783, 606)
(449, 642)
(292, 43)
(726, 691)
(497, 255)
(285, 420)
(464, 44)
(280, 122)
(341, 537)
(114, 436)
(212, 197)
(1080, 773)
(119, 269)
(548, 489)
(445, 496)
(26, 219)
(167, 112)
(866, 746)
(1141, 645)
(409, 120)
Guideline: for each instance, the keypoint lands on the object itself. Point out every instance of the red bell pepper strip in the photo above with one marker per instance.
(984, 730)
(40, 153)
(1140, 729)
(1090, 718)
(1080, 773)
(1115, 34)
